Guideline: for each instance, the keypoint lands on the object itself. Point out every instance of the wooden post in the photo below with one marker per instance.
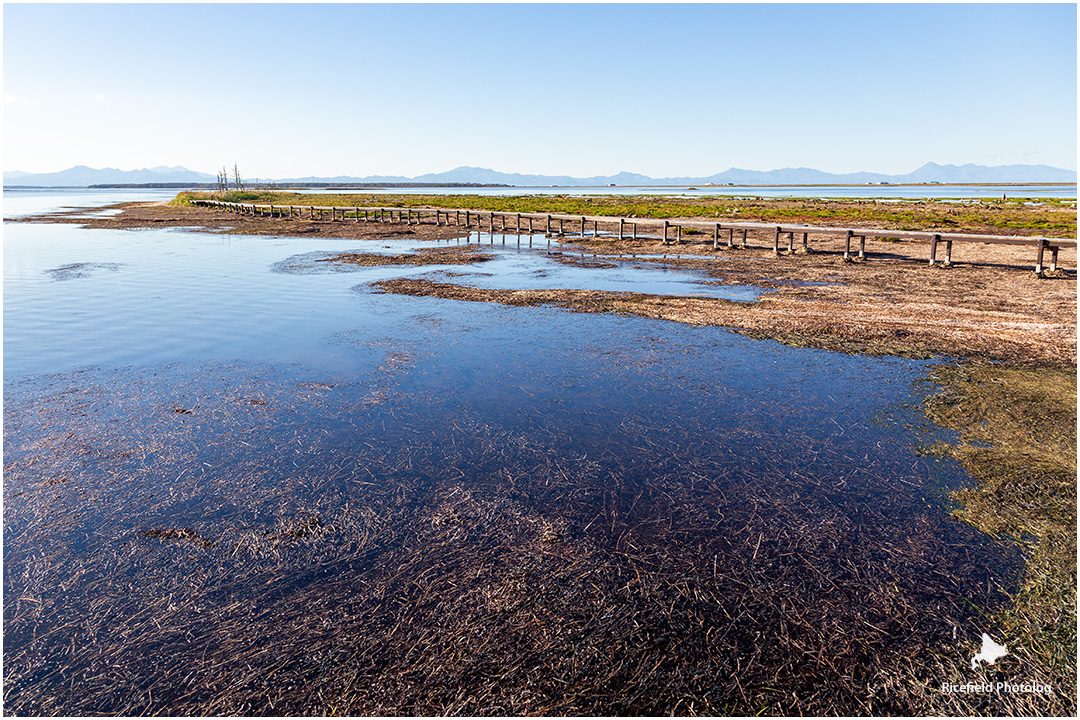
(635, 231)
(491, 222)
(948, 252)
(561, 231)
(791, 242)
(530, 225)
(1053, 257)
(621, 228)
(862, 247)
(678, 234)
(547, 227)
(805, 245)
(776, 242)
(731, 237)
(582, 226)
(744, 243)
(1039, 257)
(517, 219)
(933, 248)
(665, 231)
(716, 236)
(847, 244)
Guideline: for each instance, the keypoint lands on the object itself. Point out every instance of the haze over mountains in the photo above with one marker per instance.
(82, 176)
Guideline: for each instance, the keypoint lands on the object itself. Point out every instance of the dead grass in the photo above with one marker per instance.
(453, 255)
(1017, 438)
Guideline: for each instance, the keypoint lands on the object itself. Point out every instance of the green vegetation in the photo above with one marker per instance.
(1053, 217)
(1017, 438)
(184, 199)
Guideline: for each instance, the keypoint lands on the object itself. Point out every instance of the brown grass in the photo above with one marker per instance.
(453, 255)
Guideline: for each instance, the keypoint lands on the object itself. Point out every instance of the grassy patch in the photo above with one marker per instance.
(184, 199)
(1017, 437)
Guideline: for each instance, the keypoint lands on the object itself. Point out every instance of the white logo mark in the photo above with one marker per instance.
(990, 652)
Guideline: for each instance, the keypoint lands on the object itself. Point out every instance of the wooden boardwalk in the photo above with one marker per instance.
(667, 231)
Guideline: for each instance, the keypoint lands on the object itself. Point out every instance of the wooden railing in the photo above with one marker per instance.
(668, 231)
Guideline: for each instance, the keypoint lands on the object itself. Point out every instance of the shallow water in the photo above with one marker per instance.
(205, 453)
(75, 298)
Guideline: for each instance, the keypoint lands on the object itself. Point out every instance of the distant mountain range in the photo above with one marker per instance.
(82, 176)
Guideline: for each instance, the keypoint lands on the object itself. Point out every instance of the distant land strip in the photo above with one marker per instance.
(352, 186)
(213, 186)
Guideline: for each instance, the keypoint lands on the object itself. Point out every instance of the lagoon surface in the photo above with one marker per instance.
(233, 487)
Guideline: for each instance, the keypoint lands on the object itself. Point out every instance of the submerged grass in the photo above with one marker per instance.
(290, 547)
(1017, 438)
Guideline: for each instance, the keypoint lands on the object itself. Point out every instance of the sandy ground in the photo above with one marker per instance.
(988, 303)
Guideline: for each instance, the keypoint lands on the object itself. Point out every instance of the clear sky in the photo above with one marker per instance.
(664, 90)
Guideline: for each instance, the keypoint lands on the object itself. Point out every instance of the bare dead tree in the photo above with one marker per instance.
(236, 177)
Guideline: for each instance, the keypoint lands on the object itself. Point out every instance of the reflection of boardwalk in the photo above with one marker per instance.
(622, 227)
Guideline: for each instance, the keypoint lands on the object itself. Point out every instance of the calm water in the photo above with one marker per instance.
(196, 423)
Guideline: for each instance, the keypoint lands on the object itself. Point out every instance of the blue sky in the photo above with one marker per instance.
(664, 90)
